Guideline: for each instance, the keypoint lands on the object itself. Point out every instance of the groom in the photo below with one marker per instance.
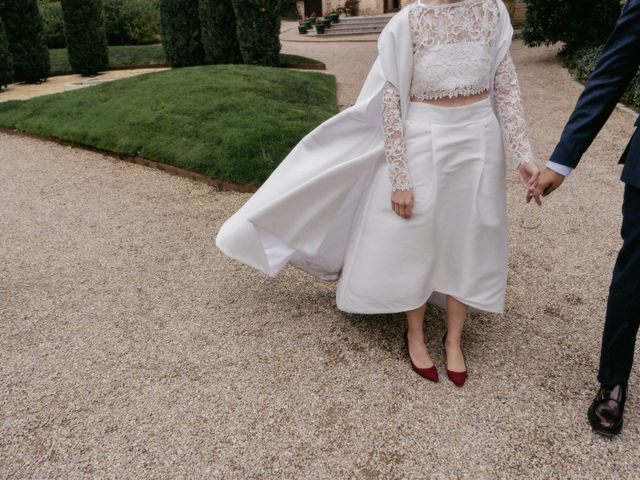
(616, 68)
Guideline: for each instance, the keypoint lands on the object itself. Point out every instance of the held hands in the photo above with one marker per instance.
(530, 173)
(402, 202)
(546, 183)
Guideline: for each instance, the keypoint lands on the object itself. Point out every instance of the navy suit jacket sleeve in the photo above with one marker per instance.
(616, 68)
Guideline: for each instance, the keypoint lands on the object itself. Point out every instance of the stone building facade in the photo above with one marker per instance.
(517, 8)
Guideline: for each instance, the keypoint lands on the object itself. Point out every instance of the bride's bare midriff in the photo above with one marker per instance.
(454, 101)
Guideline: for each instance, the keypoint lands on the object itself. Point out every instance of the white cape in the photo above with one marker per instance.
(303, 213)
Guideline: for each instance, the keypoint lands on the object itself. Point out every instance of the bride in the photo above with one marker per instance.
(401, 198)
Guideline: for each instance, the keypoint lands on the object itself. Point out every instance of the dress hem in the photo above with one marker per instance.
(475, 307)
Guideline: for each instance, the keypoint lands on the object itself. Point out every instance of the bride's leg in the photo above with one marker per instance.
(456, 315)
(415, 329)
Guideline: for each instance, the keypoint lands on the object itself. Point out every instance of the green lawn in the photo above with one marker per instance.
(232, 122)
(128, 56)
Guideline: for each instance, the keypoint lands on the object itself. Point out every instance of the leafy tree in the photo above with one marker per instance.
(132, 22)
(258, 28)
(180, 25)
(51, 13)
(27, 43)
(6, 60)
(577, 23)
(86, 36)
(218, 24)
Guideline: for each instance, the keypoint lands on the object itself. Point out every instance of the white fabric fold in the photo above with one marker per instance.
(302, 213)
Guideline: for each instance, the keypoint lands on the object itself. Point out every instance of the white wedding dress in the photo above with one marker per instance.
(334, 219)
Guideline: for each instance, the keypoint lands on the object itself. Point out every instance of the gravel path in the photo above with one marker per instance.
(131, 348)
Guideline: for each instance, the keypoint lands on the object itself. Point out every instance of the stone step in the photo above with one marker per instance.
(338, 33)
(371, 19)
(340, 26)
(355, 26)
(352, 31)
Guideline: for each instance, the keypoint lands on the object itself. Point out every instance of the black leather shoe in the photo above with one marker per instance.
(607, 409)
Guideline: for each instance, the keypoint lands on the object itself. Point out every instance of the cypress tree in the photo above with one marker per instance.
(86, 36)
(218, 31)
(180, 25)
(27, 42)
(258, 28)
(6, 61)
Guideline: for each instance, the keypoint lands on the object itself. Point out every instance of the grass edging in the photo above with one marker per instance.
(297, 66)
(112, 68)
(129, 57)
(222, 185)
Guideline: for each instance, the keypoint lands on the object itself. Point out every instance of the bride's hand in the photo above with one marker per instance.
(530, 172)
(402, 202)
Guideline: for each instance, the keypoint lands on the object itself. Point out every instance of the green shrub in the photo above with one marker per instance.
(289, 9)
(27, 43)
(132, 22)
(218, 26)
(86, 36)
(180, 26)
(258, 28)
(6, 61)
(577, 23)
(583, 62)
(51, 12)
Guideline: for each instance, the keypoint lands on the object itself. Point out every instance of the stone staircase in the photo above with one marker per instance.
(355, 26)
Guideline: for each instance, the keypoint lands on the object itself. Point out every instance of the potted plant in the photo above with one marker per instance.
(302, 28)
(351, 7)
(327, 22)
(312, 17)
(335, 16)
(307, 23)
(319, 27)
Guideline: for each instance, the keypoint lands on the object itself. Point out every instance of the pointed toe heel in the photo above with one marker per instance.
(430, 373)
(457, 378)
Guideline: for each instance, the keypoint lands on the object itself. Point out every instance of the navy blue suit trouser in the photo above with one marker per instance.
(623, 308)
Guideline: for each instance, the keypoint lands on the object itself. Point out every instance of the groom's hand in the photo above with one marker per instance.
(547, 182)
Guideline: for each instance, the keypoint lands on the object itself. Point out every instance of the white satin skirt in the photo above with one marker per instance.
(455, 243)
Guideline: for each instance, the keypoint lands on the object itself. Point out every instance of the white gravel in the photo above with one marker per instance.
(131, 348)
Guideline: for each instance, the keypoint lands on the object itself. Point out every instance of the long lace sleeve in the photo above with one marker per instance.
(511, 112)
(394, 138)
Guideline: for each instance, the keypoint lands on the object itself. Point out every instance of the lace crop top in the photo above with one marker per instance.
(452, 45)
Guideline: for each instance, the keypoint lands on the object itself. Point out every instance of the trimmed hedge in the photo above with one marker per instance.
(132, 22)
(86, 36)
(218, 32)
(180, 25)
(289, 9)
(583, 62)
(258, 29)
(25, 31)
(128, 22)
(577, 23)
(6, 60)
(51, 12)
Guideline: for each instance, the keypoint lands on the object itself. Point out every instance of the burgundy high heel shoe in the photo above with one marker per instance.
(458, 378)
(430, 373)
